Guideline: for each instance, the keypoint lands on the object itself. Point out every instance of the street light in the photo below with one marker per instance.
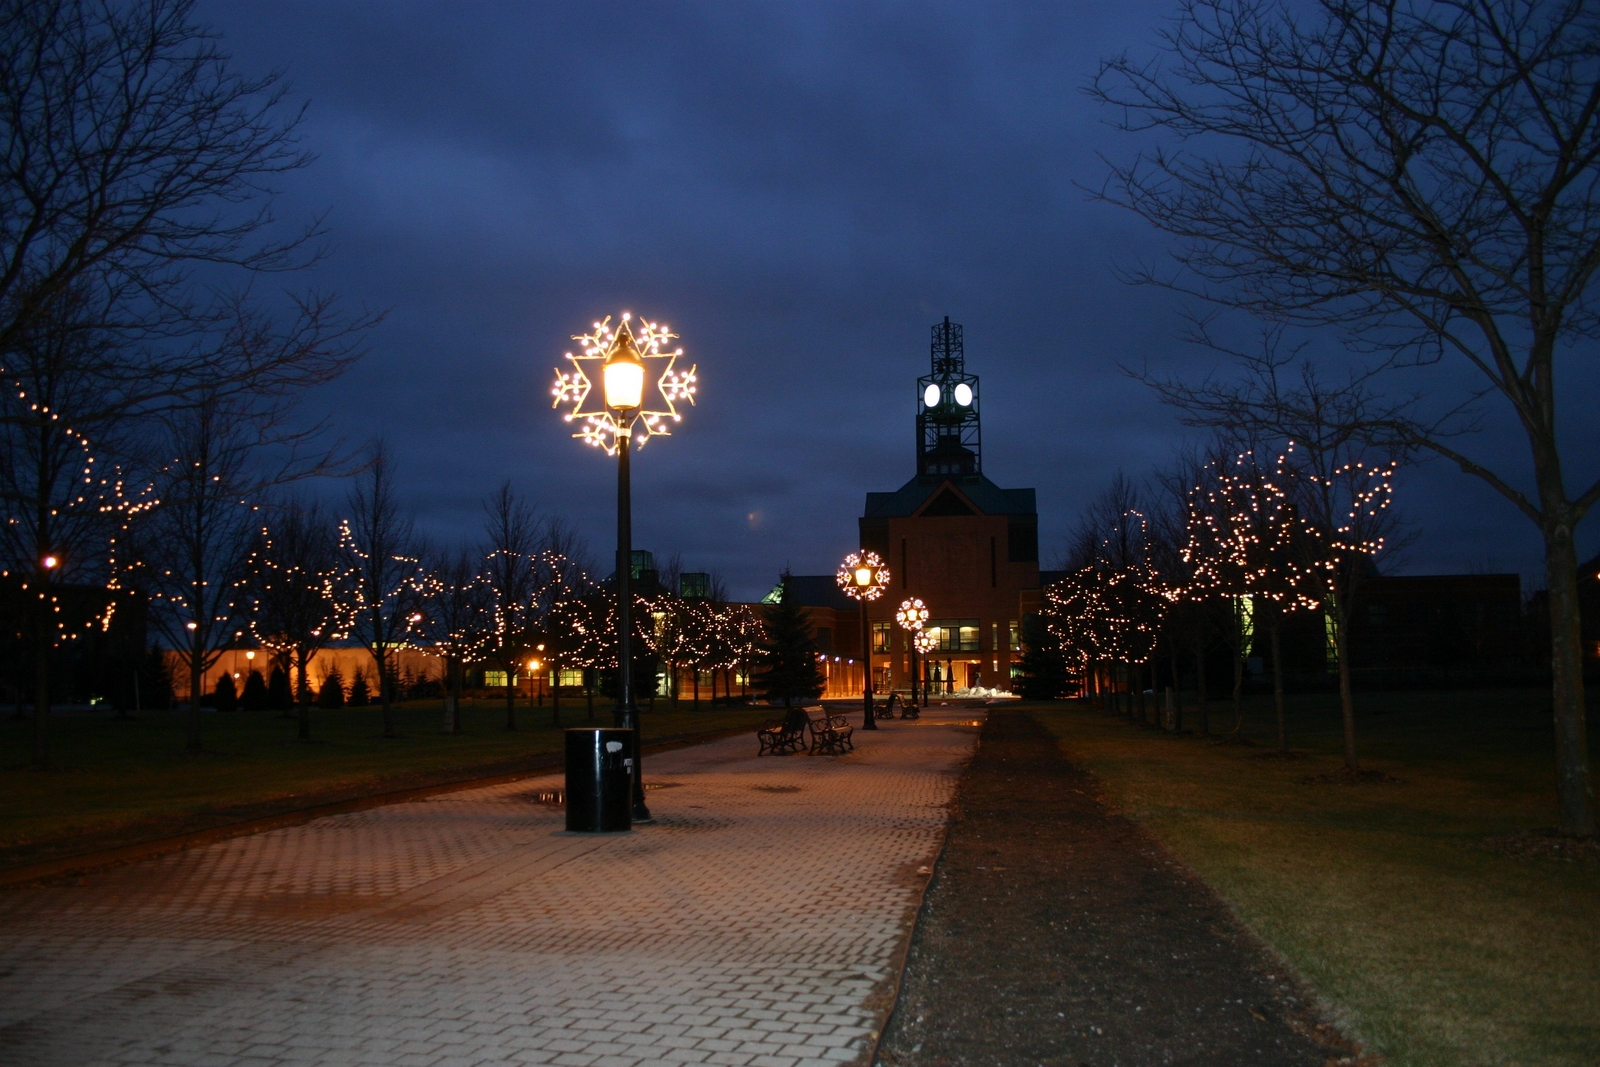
(863, 577)
(912, 614)
(925, 642)
(626, 414)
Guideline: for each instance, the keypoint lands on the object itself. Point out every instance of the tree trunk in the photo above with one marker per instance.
(1347, 703)
(555, 698)
(383, 694)
(1200, 694)
(1177, 688)
(196, 685)
(1574, 789)
(41, 687)
(303, 695)
(696, 671)
(511, 698)
(1277, 680)
(1238, 692)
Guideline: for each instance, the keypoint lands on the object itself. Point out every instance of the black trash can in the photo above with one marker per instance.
(599, 780)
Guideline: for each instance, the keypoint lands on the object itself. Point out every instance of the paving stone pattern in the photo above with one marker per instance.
(757, 922)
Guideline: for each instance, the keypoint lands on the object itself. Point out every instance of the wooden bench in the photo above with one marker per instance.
(830, 734)
(787, 734)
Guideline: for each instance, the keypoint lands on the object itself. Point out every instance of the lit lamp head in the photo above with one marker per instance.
(863, 576)
(912, 614)
(636, 387)
(623, 374)
(925, 641)
(50, 563)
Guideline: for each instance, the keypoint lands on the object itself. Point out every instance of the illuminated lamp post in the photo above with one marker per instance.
(863, 577)
(631, 409)
(924, 643)
(912, 614)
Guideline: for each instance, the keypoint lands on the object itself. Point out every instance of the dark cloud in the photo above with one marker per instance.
(801, 190)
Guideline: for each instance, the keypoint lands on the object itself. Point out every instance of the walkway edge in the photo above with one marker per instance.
(161, 846)
(902, 956)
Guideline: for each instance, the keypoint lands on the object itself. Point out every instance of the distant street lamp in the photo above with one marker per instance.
(925, 642)
(863, 577)
(912, 614)
(632, 409)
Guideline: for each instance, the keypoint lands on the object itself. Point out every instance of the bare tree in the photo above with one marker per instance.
(135, 218)
(131, 156)
(59, 484)
(455, 621)
(1219, 574)
(1422, 177)
(195, 545)
(510, 572)
(293, 574)
(379, 590)
(1333, 476)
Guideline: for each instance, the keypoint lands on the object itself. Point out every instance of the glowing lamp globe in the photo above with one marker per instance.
(623, 374)
(50, 562)
(862, 576)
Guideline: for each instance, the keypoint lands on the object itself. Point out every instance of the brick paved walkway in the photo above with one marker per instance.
(755, 923)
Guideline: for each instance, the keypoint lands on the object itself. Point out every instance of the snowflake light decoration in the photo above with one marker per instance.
(599, 425)
(856, 561)
(926, 641)
(912, 614)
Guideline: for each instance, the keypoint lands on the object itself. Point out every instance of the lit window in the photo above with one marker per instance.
(954, 635)
(570, 677)
(1016, 636)
(496, 679)
(880, 636)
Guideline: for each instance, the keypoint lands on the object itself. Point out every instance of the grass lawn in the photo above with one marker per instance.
(113, 782)
(1430, 946)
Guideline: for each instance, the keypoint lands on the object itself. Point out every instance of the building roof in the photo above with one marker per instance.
(987, 497)
(815, 591)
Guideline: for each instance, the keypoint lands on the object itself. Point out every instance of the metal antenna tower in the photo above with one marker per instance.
(949, 441)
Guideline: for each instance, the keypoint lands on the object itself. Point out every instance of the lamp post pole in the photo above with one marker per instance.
(627, 712)
(912, 615)
(867, 721)
(863, 578)
(632, 399)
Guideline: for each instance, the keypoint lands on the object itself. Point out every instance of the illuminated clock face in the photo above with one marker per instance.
(930, 396)
(964, 395)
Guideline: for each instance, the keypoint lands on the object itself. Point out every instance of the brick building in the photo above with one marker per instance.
(951, 537)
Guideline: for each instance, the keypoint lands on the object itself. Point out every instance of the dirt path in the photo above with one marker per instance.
(1055, 932)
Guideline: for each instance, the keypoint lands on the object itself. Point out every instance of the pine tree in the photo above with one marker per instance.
(332, 694)
(280, 695)
(1044, 670)
(787, 663)
(359, 697)
(155, 681)
(226, 697)
(255, 693)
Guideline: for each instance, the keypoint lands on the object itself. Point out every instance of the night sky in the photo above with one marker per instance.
(801, 191)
